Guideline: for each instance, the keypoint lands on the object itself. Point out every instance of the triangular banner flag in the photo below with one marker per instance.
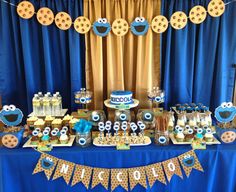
(100, 176)
(46, 163)
(82, 174)
(172, 167)
(155, 172)
(64, 169)
(189, 161)
(119, 177)
(137, 176)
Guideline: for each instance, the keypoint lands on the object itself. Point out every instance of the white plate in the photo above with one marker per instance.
(129, 106)
(69, 144)
(96, 143)
(174, 141)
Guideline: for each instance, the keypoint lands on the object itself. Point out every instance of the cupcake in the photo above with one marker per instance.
(66, 120)
(48, 120)
(64, 139)
(35, 140)
(45, 137)
(39, 123)
(31, 121)
(189, 135)
(208, 137)
(179, 137)
(54, 140)
(57, 123)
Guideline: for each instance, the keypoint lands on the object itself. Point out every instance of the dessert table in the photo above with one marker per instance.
(218, 162)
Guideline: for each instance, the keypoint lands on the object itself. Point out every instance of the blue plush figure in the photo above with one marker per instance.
(139, 26)
(188, 161)
(47, 163)
(10, 115)
(225, 112)
(101, 27)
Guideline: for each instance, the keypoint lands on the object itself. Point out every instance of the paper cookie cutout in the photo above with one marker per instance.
(178, 20)
(159, 24)
(25, 9)
(101, 27)
(120, 27)
(10, 141)
(82, 24)
(63, 20)
(225, 112)
(139, 26)
(197, 14)
(10, 115)
(216, 8)
(45, 16)
(228, 137)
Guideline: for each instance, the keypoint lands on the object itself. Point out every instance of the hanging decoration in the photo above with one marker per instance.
(139, 26)
(101, 27)
(63, 20)
(123, 177)
(197, 14)
(120, 27)
(178, 20)
(45, 16)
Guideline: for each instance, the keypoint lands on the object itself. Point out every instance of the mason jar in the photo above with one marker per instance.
(83, 139)
(161, 137)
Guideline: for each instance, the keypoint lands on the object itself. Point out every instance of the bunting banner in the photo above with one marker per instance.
(119, 177)
(100, 176)
(127, 178)
(155, 173)
(189, 161)
(171, 168)
(64, 169)
(120, 27)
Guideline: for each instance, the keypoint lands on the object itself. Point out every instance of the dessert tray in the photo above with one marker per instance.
(129, 106)
(63, 112)
(113, 141)
(69, 144)
(175, 142)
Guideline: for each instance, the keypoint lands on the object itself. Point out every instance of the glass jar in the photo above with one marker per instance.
(161, 137)
(83, 139)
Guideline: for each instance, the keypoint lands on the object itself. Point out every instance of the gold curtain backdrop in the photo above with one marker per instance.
(129, 62)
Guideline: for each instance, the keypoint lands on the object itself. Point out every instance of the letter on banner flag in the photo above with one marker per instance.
(155, 172)
(82, 174)
(64, 169)
(189, 161)
(137, 175)
(119, 177)
(46, 163)
(100, 176)
(172, 167)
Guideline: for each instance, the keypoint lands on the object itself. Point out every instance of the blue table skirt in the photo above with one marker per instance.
(218, 161)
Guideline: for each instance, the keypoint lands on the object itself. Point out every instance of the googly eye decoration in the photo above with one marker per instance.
(82, 141)
(124, 127)
(139, 26)
(162, 139)
(100, 124)
(190, 131)
(35, 133)
(139, 123)
(180, 130)
(225, 112)
(116, 127)
(95, 117)
(47, 129)
(63, 132)
(45, 132)
(101, 128)
(123, 117)
(208, 130)
(101, 27)
(82, 100)
(56, 129)
(124, 123)
(65, 128)
(187, 127)
(108, 123)
(195, 128)
(10, 115)
(37, 129)
(108, 127)
(142, 127)
(117, 123)
(199, 130)
(134, 127)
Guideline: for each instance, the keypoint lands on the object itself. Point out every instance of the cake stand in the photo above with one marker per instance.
(121, 107)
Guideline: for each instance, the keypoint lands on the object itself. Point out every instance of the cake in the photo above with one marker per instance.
(121, 97)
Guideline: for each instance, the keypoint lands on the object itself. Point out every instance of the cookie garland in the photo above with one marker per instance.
(82, 24)
(159, 24)
(120, 27)
(216, 8)
(45, 16)
(63, 20)
(25, 9)
(197, 14)
(178, 20)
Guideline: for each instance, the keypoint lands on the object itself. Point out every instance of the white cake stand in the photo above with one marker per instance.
(121, 107)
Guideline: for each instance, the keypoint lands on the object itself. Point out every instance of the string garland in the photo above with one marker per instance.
(120, 27)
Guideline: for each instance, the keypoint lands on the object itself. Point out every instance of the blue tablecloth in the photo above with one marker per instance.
(218, 161)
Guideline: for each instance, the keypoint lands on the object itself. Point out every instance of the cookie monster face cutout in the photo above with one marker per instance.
(10, 115)
(225, 112)
(139, 26)
(188, 161)
(101, 27)
(47, 163)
